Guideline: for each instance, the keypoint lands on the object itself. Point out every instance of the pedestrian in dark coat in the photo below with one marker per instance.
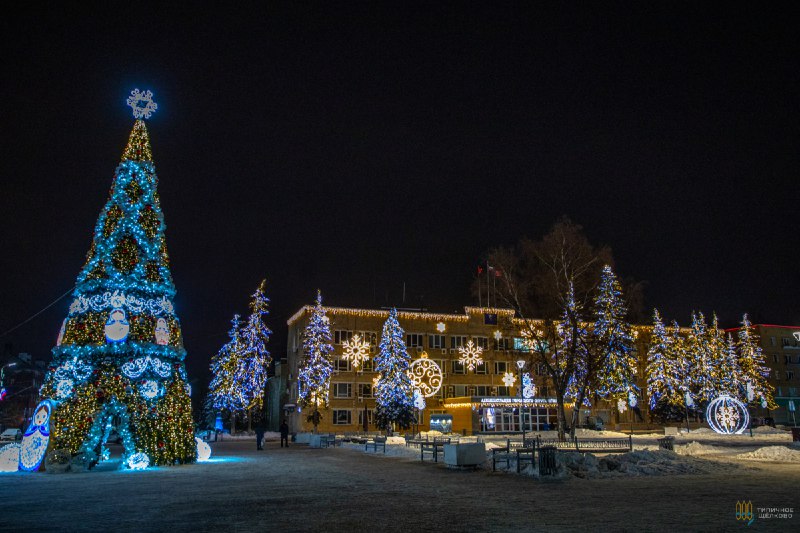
(259, 438)
(284, 433)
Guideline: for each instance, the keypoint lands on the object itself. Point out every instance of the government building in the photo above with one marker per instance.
(483, 399)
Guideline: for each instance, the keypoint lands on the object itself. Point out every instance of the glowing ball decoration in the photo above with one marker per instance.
(36, 438)
(727, 415)
(9, 458)
(149, 389)
(203, 450)
(138, 461)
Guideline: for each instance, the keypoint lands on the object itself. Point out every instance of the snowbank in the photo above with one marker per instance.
(773, 453)
(695, 448)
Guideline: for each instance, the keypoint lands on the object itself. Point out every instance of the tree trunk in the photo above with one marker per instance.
(233, 423)
(562, 418)
(249, 420)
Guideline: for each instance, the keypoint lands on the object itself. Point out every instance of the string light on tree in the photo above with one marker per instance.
(470, 355)
(356, 350)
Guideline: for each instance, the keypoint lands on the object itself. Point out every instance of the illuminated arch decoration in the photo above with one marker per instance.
(727, 415)
(36, 438)
(426, 375)
(470, 355)
(356, 350)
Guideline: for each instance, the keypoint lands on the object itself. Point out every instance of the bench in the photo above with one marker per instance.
(326, 441)
(519, 451)
(667, 443)
(375, 443)
(434, 447)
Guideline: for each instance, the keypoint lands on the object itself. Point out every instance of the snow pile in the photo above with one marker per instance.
(695, 448)
(768, 430)
(773, 453)
(649, 463)
(396, 440)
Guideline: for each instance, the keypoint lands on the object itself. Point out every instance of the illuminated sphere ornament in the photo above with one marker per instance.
(149, 389)
(9, 458)
(203, 450)
(138, 461)
(426, 375)
(727, 415)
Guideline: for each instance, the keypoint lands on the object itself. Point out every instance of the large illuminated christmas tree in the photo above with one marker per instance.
(118, 363)
(394, 392)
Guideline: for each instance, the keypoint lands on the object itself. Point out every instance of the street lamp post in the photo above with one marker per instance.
(520, 366)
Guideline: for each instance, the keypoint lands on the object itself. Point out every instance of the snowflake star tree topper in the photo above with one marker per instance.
(470, 355)
(142, 103)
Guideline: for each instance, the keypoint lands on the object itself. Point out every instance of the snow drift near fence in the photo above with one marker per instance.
(773, 453)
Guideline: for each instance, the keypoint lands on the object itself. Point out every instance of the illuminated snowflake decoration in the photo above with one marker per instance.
(356, 351)
(142, 103)
(441, 327)
(138, 461)
(498, 335)
(727, 415)
(470, 355)
(528, 388)
(622, 406)
(632, 401)
(425, 375)
(509, 379)
(64, 388)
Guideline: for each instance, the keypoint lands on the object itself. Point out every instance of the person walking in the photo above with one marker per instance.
(259, 437)
(284, 433)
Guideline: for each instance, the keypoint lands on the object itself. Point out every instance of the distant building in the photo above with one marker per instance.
(20, 376)
(468, 401)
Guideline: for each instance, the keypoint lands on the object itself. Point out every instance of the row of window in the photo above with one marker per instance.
(455, 367)
(344, 417)
(345, 390)
(435, 341)
(788, 374)
(787, 359)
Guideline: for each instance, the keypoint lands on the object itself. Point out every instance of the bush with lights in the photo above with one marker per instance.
(118, 362)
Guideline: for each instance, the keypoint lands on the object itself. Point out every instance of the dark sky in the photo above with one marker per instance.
(357, 148)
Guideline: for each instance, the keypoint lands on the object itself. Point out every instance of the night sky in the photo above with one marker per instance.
(355, 149)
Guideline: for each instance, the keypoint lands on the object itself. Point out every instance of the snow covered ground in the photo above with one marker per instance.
(348, 489)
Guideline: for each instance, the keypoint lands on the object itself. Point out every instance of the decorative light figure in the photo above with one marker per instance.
(64, 388)
(138, 461)
(356, 351)
(162, 332)
(419, 400)
(632, 401)
(61, 332)
(470, 355)
(622, 405)
(203, 450)
(509, 379)
(117, 326)
(441, 327)
(528, 388)
(727, 415)
(142, 103)
(149, 389)
(426, 375)
(36, 438)
(498, 335)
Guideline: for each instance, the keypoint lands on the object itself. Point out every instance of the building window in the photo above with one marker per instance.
(500, 367)
(483, 342)
(504, 391)
(342, 390)
(361, 417)
(786, 341)
(370, 337)
(367, 366)
(774, 358)
(482, 369)
(520, 345)
(460, 390)
(436, 341)
(458, 368)
(787, 359)
(774, 342)
(342, 417)
(502, 344)
(341, 336)
(365, 390)
(457, 341)
(777, 375)
(341, 365)
(413, 340)
(789, 375)
(490, 319)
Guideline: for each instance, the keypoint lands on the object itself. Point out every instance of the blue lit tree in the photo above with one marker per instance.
(256, 357)
(119, 358)
(663, 374)
(316, 364)
(394, 392)
(226, 388)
